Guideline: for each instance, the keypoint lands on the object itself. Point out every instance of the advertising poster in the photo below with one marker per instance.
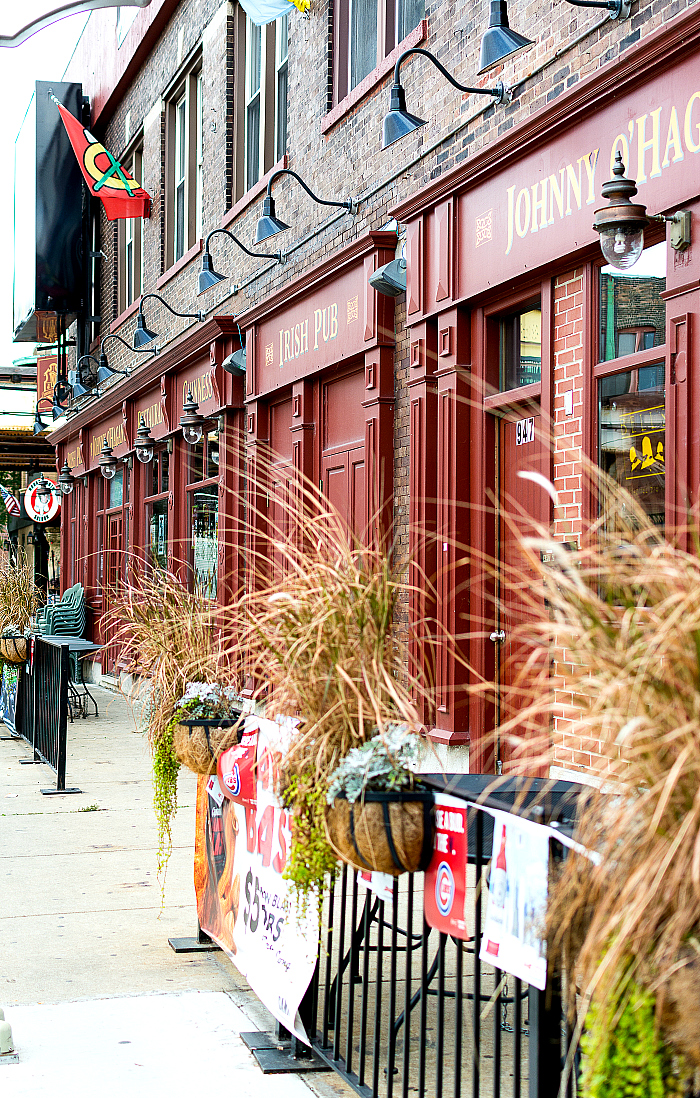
(8, 695)
(514, 927)
(243, 903)
(446, 876)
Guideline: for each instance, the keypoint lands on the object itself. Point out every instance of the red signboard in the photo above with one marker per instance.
(113, 430)
(73, 454)
(46, 367)
(446, 876)
(200, 379)
(150, 406)
(320, 329)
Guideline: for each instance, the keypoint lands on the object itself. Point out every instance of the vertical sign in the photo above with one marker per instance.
(446, 876)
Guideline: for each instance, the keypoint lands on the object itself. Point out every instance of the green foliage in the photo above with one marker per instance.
(166, 766)
(624, 1055)
(310, 858)
(383, 763)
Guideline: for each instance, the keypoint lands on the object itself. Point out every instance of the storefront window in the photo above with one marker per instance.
(204, 504)
(632, 311)
(632, 421)
(521, 348)
(116, 489)
(158, 533)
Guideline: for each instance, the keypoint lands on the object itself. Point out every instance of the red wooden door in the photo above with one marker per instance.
(523, 511)
(343, 479)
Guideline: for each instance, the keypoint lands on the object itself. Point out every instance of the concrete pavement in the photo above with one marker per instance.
(97, 999)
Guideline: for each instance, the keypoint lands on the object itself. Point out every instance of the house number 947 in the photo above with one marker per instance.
(524, 431)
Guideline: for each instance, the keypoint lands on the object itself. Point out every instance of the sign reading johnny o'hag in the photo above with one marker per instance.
(541, 206)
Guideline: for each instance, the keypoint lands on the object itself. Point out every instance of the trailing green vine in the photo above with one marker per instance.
(310, 856)
(166, 767)
(624, 1052)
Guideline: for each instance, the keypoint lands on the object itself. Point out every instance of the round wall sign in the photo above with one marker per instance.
(40, 510)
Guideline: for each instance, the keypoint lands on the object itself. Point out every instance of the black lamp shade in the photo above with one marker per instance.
(208, 277)
(236, 363)
(268, 225)
(142, 334)
(499, 41)
(79, 390)
(39, 425)
(398, 122)
(57, 409)
(105, 371)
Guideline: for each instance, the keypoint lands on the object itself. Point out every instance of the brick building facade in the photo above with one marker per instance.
(412, 402)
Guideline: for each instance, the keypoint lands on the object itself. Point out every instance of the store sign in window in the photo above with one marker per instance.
(205, 540)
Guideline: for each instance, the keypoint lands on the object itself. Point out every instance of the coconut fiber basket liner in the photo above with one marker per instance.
(13, 649)
(199, 742)
(385, 832)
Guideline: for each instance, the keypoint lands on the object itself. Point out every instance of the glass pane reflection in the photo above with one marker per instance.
(205, 540)
(632, 311)
(632, 422)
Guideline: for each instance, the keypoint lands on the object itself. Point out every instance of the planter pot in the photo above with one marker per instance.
(385, 832)
(199, 742)
(13, 649)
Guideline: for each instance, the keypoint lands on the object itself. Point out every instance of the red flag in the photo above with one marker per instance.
(106, 178)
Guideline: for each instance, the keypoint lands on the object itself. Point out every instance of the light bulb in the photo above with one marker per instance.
(192, 434)
(67, 487)
(622, 246)
(108, 471)
(144, 454)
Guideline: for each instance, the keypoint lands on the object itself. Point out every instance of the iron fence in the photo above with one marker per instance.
(42, 708)
(398, 1009)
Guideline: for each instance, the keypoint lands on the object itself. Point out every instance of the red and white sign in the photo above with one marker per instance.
(446, 876)
(237, 770)
(38, 509)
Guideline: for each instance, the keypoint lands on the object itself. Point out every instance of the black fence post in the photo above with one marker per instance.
(51, 710)
(545, 1038)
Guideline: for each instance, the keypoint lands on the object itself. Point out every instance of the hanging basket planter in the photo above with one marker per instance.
(199, 742)
(13, 649)
(384, 832)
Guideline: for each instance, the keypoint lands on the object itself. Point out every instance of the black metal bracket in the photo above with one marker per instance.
(201, 944)
(283, 1055)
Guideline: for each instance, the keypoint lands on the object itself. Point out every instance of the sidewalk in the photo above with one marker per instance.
(97, 999)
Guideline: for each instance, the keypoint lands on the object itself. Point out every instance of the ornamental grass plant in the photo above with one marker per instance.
(613, 633)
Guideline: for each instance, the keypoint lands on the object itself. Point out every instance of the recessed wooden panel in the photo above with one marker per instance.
(443, 241)
(343, 414)
(280, 423)
(414, 267)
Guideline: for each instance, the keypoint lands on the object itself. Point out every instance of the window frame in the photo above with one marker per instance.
(130, 230)
(388, 23)
(185, 144)
(272, 119)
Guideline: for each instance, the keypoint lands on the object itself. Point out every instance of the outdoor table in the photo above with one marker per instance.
(78, 693)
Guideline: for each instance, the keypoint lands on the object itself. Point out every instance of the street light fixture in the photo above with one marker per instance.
(621, 223)
(143, 443)
(44, 490)
(66, 480)
(191, 422)
(107, 463)
(269, 224)
(142, 334)
(105, 371)
(398, 122)
(208, 277)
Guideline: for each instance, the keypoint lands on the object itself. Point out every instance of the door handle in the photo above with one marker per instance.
(497, 637)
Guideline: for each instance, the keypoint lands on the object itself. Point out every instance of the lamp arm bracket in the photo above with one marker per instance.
(136, 350)
(347, 205)
(500, 93)
(157, 297)
(83, 359)
(255, 255)
(619, 9)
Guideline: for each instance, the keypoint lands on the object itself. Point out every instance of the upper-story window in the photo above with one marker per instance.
(131, 250)
(265, 98)
(366, 32)
(184, 145)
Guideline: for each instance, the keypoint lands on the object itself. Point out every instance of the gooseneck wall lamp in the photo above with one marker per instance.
(499, 41)
(78, 389)
(398, 122)
(191, 422)
(208, 277)
(60, 393)
(105, 371)
(269, 224)
(44, 490)
(619, 9)
(621, 223)
(144, 335)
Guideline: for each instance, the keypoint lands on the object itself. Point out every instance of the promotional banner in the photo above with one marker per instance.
(446, 876)
(514, 928)
(243, 903)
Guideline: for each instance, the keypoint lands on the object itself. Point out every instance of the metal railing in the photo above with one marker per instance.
(398, 1009)
(42, 708)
